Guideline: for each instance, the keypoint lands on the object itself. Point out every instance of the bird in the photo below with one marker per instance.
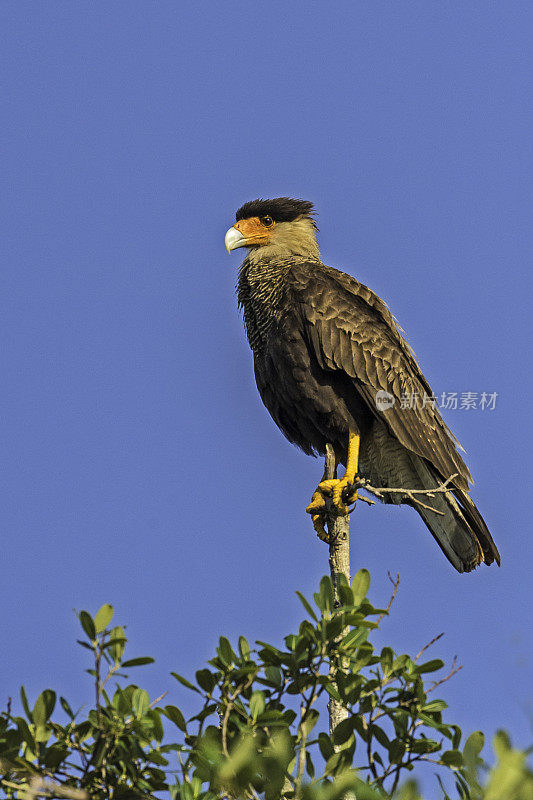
(326, 350)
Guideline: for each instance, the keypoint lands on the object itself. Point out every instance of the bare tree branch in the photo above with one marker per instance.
(428, 645)
(412, 494)
(453, 671)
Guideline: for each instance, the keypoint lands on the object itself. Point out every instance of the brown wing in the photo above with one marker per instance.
(350, 328)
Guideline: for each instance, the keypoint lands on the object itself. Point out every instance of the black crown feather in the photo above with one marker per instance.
(281, 209)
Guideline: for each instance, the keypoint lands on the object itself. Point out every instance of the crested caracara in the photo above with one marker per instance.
(324, 346)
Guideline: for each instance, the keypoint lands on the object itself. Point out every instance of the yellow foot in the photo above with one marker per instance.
(335, 489)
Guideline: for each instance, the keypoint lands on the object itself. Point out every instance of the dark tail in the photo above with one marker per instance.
(460, 530)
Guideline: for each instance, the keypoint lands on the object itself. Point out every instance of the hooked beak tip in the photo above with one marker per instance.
(234, 239)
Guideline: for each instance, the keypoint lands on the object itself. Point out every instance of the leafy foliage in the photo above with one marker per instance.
(260, 728)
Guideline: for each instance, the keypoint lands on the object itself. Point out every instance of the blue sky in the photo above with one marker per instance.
(138, 464)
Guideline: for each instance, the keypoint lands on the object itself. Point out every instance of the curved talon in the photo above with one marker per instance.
(318, 525)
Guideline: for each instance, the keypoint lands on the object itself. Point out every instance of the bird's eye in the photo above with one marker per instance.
(267, 222)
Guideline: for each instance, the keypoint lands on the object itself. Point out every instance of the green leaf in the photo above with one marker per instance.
(290, 641)
(380, 735)
(364, 655)
(474, 744)
(225, 651)
(157, 726)
(66, 707)
(84, 730)
(289, 716)
(206, 680)
(122, 700)
(396, 751)
(141, 702)
(55, 755)
(117, 643)
(332, 763)
(326, 593)
(186, 792)
(435, 705)
(360, 585)
(273, 675)
(25, 704)
(138, 662)
(400, 662)
(343, 730)
(345, 593)
(429, 666)
(175, 716)
(452, 758)
(156, 758)
(446, 796)
(425, 746)
(272, 718)
(25, 732)
(386, 658)
(334, 627)
(103, 617)
(331, 689)
(307, 606)
(257, 704)
(87, 623)
(185, 682)
(501, 743)
(44, 705)
(244, 647)
(355, 637)
(510, 778)
(325, 745)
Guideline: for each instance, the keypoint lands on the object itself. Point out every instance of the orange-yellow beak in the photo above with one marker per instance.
(246, 233)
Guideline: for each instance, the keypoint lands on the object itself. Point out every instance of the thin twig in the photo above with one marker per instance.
(111, 672)
(158, 699)
(453, 671)
(380, 491)
(428, 645)
(395, 583)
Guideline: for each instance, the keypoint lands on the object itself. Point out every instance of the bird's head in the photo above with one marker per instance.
(277, 228)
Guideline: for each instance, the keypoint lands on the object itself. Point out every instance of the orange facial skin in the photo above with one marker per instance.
(254, 231)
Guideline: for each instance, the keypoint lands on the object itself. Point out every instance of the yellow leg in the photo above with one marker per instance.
(335, 487)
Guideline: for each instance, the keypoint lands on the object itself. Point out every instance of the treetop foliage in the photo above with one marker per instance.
(260, 728)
